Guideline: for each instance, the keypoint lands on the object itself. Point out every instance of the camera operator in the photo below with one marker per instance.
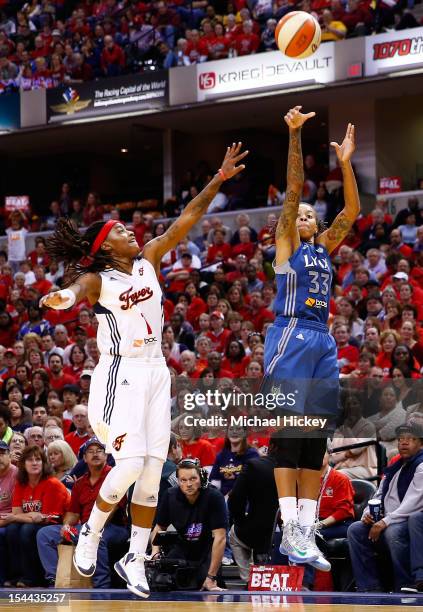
(198, 513)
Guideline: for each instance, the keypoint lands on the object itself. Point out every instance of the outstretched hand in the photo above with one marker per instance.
(53, 299)
(233, 156)
(295, 119)
(346, 149)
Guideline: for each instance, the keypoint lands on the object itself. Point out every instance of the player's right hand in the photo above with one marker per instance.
(51, 300)
(295, 119)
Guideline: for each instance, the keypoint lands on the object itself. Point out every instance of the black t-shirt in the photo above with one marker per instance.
(193, 522)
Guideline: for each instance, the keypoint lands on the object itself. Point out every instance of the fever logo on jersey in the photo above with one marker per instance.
(117, 443)
(310, 301)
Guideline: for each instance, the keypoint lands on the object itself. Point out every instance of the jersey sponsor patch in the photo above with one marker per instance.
(125, 383)
(299, 336)
(117, 442)
(313, 303)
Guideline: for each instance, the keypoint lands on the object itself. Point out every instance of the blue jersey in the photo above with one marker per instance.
(304, 284)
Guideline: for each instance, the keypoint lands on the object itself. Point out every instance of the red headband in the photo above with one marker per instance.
(104, 232)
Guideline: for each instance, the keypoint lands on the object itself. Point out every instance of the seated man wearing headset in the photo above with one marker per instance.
(198, 513)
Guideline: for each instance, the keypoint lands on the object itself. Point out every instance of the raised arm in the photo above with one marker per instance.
(286, 237)
(345, 219)
(154, 250)
(88, 285)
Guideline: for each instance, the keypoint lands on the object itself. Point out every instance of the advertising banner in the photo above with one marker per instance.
(394, 51)
(264, 71)
(275, 578)
(390, 184)
(133, 92)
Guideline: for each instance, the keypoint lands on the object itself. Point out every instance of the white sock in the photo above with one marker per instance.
(288, 506)
(139, 539)
(97, 519)
(307, 512)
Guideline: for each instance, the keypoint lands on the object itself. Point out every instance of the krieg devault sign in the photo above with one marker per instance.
(263, 71)
(108, 96)
(394, 51)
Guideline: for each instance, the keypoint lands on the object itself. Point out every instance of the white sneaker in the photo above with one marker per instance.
(85, 555)
(295, 545)
(227, 561)
(320, 563)
(131, 569)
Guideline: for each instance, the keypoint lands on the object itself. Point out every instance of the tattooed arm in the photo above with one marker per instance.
(154, 250)
(286, 237)
(345, 219)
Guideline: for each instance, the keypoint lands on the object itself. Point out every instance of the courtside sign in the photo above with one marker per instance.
(394, 51)
(264, 71)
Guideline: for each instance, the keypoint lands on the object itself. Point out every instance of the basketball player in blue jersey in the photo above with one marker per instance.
(129, 404)
(300, 355)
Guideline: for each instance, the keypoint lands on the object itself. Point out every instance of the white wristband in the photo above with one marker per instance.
(66, 293)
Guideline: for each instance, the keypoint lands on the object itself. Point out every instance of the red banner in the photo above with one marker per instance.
(275, 578)
(17, 203)
(390, 184)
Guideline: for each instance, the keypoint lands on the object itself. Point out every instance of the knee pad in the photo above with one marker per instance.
(146, 488)
(120, 478)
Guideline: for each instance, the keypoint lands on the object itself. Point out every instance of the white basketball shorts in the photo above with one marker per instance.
(129, 406)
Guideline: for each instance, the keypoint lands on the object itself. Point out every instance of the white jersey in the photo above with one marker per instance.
(129, 312)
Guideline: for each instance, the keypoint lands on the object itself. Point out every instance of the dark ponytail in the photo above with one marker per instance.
(71, 247)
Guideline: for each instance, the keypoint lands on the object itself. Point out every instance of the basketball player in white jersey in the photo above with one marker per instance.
(129, 404)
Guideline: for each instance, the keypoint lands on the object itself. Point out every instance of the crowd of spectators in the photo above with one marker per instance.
(219, 290)
(44, 44)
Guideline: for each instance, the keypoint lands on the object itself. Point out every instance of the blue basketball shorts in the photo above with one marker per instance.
(300, 362)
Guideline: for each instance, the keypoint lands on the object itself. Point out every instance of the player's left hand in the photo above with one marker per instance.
(376, 530)
(345, 150)
(233, 156)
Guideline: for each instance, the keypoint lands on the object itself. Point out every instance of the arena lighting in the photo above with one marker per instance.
(149, 111)
(4, 131)
(124, 150)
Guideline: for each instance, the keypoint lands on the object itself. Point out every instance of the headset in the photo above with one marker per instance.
(195, 463)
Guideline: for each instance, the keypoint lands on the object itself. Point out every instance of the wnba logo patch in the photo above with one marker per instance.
(310, 301)
(117, 443)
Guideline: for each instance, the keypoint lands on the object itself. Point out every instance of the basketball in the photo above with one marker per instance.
(298, 34)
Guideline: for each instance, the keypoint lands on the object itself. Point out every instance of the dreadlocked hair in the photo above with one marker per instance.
(71, 247)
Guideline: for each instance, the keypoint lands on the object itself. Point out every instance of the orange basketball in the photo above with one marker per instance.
(298, 34)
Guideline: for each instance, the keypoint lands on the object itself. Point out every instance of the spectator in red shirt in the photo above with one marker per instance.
(358, 18)
(42, 285)
(247, 42)
(219, 250)
(93, 210)
(235, 359)
(197, 49)
(218, 46)
(112, 58)
(218, 335)
(215, 365)
(39, 255)
(84, 493)
(193, 446)
(38, 500)
(41, 48)
(347, 354)
(58, 379)
(77, 438)
(397, 245)
(245, 246)
(258, 314)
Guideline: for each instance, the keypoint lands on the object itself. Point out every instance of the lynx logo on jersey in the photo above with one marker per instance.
(131, 299)
(310, 262)
(117, 442)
